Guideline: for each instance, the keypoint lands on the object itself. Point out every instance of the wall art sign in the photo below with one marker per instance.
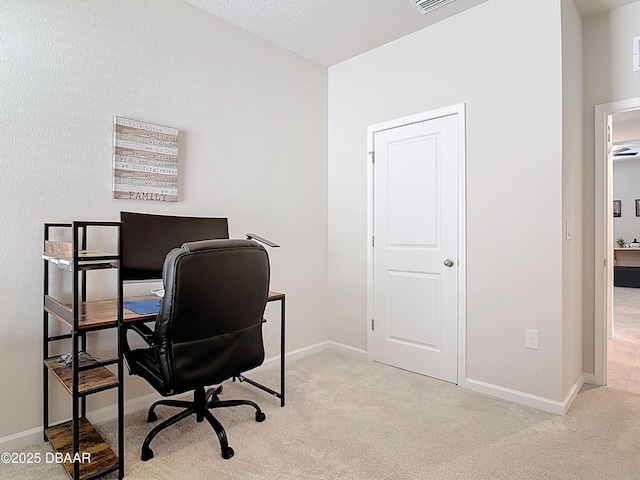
(145, 161)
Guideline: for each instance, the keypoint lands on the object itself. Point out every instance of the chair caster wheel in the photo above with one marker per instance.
(228, 453)
(212, 395)
(260, 417)
(151, 416)
(147, 454)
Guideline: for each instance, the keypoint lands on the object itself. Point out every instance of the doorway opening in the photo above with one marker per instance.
(617, 261)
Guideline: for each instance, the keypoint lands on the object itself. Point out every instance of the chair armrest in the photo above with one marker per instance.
(144, 331)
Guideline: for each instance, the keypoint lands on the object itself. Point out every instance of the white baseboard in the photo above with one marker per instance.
(341, 347)
(589, 378)
(573, 393)
(523, 398)
(132, 405)
(34, 435)
(19, 440)
(272, 362)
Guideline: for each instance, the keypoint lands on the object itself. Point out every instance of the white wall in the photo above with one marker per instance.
(503, 59)
(627, 130)
(626, 174)
(572, 210)
(253, 130)
(608, 77)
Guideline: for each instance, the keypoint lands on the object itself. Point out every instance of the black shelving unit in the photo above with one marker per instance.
(84, 375)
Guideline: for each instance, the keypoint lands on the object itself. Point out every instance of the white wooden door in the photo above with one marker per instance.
(415, 264)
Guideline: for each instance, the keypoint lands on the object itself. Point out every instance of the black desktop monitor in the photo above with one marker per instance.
(147, 238)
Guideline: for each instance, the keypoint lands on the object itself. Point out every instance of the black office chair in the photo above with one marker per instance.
(208, 329)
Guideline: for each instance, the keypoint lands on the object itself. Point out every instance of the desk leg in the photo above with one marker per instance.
(282, 350)
(280, 395)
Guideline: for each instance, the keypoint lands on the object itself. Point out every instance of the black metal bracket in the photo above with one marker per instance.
(268, 243)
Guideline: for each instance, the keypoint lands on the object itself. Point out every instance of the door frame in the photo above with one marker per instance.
(603, 233)
(460, 111)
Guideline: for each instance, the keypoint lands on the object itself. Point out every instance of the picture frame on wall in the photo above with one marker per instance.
(637, 207)
(617, 208)
(145, 161)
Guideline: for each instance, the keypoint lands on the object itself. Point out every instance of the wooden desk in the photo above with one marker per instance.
(97, 314)
(100, 314)
(626, 257)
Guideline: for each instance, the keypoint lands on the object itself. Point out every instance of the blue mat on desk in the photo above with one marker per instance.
(144, 307)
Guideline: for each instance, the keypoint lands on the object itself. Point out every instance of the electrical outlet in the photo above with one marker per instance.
(531, 338)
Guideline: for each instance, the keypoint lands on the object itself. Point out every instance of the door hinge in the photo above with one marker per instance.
(372, 324)
(373, 156)
(373, 241)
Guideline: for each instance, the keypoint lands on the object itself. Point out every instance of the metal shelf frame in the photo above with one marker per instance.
(81, 362)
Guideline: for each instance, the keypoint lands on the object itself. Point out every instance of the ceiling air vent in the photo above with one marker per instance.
(426, 6)
(619, 151)
(625, 152)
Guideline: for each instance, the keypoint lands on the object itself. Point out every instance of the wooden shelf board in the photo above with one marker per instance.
(95, 314)
(88, 379)
(102, 456)
(274, 296)
(64, 251)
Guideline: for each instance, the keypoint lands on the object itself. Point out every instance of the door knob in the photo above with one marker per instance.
(448, 262)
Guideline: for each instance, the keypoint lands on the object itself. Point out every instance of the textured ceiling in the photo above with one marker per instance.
(330, 31)
(588, 8)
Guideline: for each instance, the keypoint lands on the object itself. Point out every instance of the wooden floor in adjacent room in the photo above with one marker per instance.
(623, 351)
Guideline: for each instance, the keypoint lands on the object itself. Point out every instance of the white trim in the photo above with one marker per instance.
(19, 440)
(132, 405)
(603, 234)
(34, 435)
(462, 247)
(460, 111)
(589, 378)
(25, 438)
(524, 398)
(294, 355)
(342, 348)
(370, 184)
(572, 393)
(311, 349)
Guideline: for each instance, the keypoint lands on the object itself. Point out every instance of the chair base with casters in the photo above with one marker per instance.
(202, 402)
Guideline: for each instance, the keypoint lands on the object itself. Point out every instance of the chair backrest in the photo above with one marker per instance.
(209, 327)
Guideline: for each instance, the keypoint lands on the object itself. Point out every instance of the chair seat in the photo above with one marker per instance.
(144, 362)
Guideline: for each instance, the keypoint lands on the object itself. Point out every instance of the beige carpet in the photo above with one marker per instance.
(348, 418)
